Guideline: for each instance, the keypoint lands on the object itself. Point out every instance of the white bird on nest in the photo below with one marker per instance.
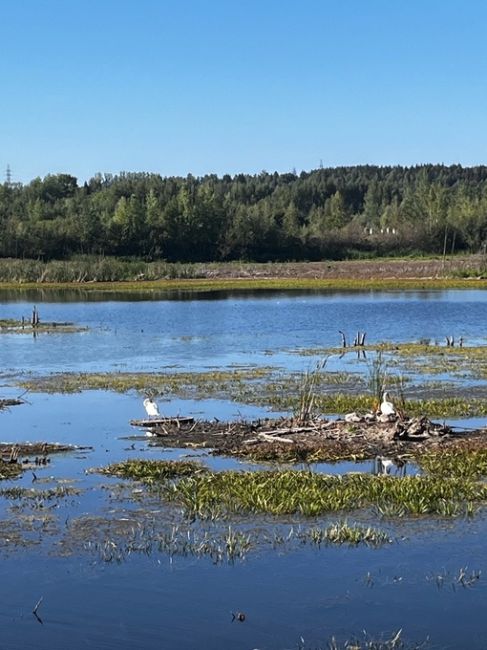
(151, 408)
(387, 407)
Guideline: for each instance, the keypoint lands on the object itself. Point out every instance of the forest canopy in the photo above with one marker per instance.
(331, 213)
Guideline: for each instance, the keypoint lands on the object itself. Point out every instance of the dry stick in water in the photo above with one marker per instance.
(34, 611)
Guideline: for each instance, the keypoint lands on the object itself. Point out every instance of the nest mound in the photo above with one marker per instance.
(316, 439)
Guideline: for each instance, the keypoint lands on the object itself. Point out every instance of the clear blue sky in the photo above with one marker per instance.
(213, 86)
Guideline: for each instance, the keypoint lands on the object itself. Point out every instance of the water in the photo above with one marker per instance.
(157, 333)
(154, 601)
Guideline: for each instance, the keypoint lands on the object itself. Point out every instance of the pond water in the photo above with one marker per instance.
(294, 595)
(157, 332)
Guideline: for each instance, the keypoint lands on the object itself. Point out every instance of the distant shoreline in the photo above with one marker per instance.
(402, 273)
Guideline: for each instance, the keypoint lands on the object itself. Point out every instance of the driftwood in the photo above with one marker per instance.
(288, 431)
(160, 422)
(273, 438)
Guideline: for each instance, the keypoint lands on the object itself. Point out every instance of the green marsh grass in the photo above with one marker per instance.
(211, 495)
(255, 386)
(466, 461)
(214, 382)
(60, 492)
(308, 494)
(350, 534)
(317, 391)
(153, 471)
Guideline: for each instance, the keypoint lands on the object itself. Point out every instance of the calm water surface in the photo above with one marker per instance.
(147, 335)
(186, 602)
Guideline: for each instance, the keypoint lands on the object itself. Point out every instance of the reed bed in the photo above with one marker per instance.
(93, 269)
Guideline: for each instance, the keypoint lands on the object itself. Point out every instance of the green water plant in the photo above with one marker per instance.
(153, 471)
(207, 494)
(466, 460)
(345, 533)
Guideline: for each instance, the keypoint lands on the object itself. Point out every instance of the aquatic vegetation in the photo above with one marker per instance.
(467, 460)
(184, 278)
(311, 494)
(10, 326)
(210, 495)
(317, 391)
(199, 384)
(465, 578)
(59, 492)
(114, 540)
(377, 377)
(366, 642)
(9, 470)
(307, 393)
(151, 471)
(8, 323)
(344, 533)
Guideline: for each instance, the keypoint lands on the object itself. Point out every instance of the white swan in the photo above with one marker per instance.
(387, 407)
(151, 408)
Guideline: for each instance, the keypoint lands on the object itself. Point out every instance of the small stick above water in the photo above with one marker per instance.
(34, 611)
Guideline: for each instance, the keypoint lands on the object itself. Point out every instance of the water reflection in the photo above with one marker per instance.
(80, 294)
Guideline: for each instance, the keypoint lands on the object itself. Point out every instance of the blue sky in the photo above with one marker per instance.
(207, 86)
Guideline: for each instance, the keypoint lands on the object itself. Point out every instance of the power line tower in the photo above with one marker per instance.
(8, 176)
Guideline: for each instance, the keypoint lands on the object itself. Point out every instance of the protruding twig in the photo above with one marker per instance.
(34, 611)
(344, 340)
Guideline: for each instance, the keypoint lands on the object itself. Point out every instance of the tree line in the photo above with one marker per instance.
(329, 213)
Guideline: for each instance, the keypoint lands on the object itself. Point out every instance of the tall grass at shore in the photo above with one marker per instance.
(92, 269)
(83, 269)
